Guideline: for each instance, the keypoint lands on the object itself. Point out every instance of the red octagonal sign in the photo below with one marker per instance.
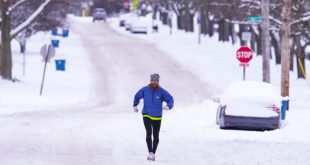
(244, 54)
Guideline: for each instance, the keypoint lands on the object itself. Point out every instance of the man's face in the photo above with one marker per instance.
(154, 84)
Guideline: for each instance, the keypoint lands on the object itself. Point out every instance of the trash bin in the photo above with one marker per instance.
(60, 65)
(54, 32)
(284, 108)
(65, 33)
(55, 43)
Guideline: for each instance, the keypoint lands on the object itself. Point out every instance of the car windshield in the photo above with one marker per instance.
(99, 10)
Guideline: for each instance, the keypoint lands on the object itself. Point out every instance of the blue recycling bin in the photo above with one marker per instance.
(65, 33)
(54, 32)
(60, 65)
(55, 43)
(284, 108)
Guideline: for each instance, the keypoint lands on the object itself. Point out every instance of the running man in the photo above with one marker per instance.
(153, 96)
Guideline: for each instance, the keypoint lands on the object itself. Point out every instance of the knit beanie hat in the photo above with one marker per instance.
(155, 77)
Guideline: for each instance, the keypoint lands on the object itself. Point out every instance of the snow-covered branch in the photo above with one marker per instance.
(32, 17)
(304, 18)
(11, 8)
(278, 22)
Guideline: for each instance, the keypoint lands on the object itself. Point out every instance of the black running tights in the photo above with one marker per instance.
(152, 126)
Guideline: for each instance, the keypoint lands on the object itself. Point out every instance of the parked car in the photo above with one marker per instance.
(99, 14)
(129, 21)
(123, 18)
(249, 105)
(140, 26)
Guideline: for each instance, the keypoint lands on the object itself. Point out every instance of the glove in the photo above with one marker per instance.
(135, 109)
(166, 108)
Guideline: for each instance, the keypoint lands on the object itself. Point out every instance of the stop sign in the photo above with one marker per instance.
(244, 54)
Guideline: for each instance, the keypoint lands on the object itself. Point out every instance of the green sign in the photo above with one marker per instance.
(255, 19)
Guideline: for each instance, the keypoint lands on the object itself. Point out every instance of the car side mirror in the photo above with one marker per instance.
(216, 99)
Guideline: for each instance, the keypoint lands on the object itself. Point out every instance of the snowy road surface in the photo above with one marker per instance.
(125, 64)
(110, 133)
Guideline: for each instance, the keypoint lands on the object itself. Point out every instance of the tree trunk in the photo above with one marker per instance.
(226, 33)
(292, 55)
(241, 29)
(6, 60)
(203, 21)
(266, 41)
(164, 18)
(210, 27)
(285, 60)
(179, 22)
(259, 42)
(188, 19)
(277, 48)
(221, 29)
(232, 33)
(0, 58)
(253, 39)
(191, 22)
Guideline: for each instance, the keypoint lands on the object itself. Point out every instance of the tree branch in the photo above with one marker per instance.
(32, 17)
(17, 4)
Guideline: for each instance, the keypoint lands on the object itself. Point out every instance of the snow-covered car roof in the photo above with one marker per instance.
(253, 92)
(142, 21)
(99, 10)
(128, 16)
(131, 19)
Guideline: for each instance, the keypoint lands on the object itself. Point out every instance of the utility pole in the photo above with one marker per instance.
(285, 48)
(266, 41)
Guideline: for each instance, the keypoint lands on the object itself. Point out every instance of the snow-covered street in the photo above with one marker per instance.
(100, 127)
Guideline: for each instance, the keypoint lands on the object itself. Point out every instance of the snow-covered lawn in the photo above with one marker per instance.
(60, 88)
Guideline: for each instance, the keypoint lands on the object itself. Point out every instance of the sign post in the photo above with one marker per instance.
(244, 55)
(47, 53)
(24, 55)
(170, 16)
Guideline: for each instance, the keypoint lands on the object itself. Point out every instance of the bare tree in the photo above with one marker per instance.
(7, 34)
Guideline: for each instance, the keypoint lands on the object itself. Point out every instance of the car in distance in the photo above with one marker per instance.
(99, 14)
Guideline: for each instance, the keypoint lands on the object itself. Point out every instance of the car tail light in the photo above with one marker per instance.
(275, 108)
(275, 125)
